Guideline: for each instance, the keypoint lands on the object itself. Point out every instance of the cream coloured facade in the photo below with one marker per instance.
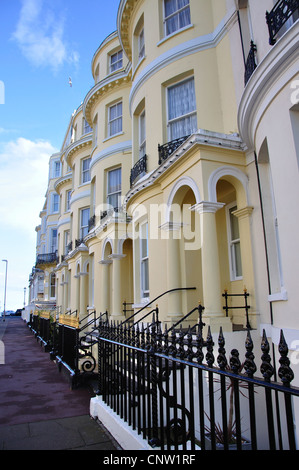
(176, 172)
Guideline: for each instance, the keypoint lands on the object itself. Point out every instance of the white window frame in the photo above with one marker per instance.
(118, 63)
(112, 121)
(52, 285)
(142, 141)
(95, 131)
(172, 15)
(144, 262)
(66, 240)
(118, 192)
(141, 44)
(55, 200)
(68, 200)
(182, 116)
(56, 169)
(84, 228)
(53, 240)
(85, 173)
(232, 244)
(86, 127)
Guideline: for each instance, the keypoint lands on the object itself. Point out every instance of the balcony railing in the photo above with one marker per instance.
(166, 150)
(139, 168)
(250, 65)
(91, 222)
(47, 258)
(79, 242)
(279, 15)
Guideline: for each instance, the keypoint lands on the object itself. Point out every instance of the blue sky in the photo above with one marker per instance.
(42, 44)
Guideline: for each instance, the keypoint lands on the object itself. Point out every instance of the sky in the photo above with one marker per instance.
(42, 44)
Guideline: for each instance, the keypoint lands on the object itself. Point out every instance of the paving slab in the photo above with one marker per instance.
(38, 410)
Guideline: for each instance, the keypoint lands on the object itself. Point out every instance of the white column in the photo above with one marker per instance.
(116, 313)
(173, 270)
(105, 293)
(83, 295)
(212, 299)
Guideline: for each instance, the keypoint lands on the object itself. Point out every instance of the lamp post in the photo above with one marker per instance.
(5, 261)
(24, 297)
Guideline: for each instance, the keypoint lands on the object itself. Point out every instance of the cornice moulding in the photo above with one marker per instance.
(78, 145)
(79, 196)
(122, 147)
(63, 180)
(112, 80)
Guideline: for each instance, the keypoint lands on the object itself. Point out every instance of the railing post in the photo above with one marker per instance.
(154, 441)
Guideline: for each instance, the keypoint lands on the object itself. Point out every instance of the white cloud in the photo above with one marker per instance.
(24, 177)
(40, 36)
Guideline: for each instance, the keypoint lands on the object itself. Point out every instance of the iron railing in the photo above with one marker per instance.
(176, 394)
(91, 222)
(245, 307)
(47, 258)
(139, 168)
(250, 64)
(70, 347)
(169, 148)
(279, 15)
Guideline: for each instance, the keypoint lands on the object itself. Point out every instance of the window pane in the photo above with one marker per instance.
(177, 15)
(234, 224)
(115, 119)
(114, 180)
(170, 7)
(85, 217)
(144, 247)
(55, 200)
(141, 45)
(113, 200)
(181, 99)
(114, 188)
(142, 135)
(116, 61)
(144, 278)
(237, 257)
(54, 241)
(182, 117)
(85, 170)
(183, 127)
(144, 260)
(182, 3)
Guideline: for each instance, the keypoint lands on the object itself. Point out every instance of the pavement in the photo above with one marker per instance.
(38, 410)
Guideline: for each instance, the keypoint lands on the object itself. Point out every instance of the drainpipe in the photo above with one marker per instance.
(241, 36)
(264, 232)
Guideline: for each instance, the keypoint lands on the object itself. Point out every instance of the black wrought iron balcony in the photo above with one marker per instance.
(47, 258)
(139, 168)
(279, 15)
(78, 242)
(69, 247)
(91, 222)
(250, 65)
(166, 150)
